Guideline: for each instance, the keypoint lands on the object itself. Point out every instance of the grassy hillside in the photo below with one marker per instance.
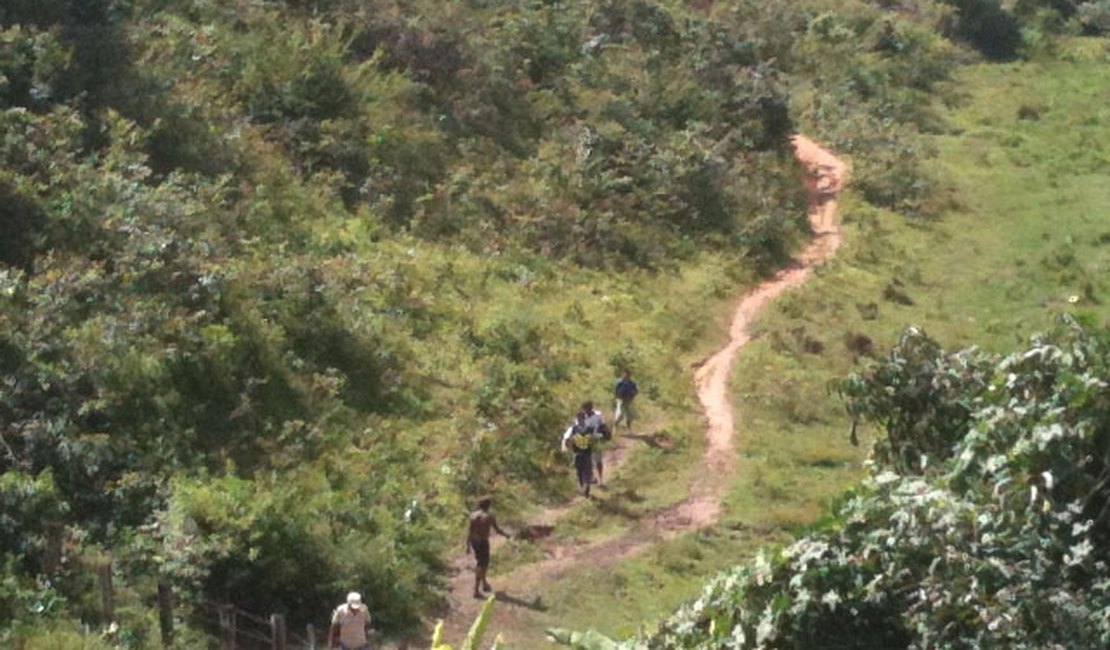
(934, 269)
(1018, 243)
(285, 279)
(284, 285)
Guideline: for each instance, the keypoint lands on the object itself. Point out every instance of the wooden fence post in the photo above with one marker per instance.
(165, 612)
(107, 596)
(277, 628)
(55, 537)
(227, 627)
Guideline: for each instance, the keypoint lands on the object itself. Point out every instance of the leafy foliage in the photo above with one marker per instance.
(925, 407)
(994, 31)
(474, 635)
(1002, 535)
(1095, 16)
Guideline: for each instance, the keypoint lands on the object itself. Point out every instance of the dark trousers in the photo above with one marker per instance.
(583, 465)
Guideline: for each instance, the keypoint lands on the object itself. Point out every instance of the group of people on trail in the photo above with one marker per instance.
(584, 437)
(350, 622)
(588, 433)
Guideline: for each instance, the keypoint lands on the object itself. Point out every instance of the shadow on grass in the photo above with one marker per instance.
(536, 604)
(619, 504)
(534, 532)
(654, 440)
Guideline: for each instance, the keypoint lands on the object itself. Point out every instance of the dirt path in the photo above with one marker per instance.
(826, 176)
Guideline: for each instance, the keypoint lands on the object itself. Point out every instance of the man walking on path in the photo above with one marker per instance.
(595, 425)
(625, 392)
(351, 623)
(583, 437)
(477, 538)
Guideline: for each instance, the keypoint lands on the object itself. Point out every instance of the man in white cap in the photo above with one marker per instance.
(351, 623)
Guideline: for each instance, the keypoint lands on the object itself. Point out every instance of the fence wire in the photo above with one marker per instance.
(239, 629)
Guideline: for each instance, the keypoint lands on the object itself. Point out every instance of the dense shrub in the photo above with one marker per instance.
(924, 406)
(248, 541)
(137, 356)
(987, 26)
(1095, 16)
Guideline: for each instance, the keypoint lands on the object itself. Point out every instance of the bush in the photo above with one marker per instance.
(1095, 16)
(921, 399)
(289, 545)
(999, 541)
(988, 27)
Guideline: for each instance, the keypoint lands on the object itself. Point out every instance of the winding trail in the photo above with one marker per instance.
(825, 177)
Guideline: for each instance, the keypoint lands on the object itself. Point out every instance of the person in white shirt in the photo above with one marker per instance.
(351, 623)
(595, 424)
(590, 422)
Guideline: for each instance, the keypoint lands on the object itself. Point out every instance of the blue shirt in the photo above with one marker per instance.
(626, 389)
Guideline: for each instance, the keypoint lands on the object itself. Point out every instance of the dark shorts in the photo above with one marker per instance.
(481, 552)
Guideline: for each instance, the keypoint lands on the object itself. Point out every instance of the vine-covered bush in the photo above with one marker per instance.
(995, 538)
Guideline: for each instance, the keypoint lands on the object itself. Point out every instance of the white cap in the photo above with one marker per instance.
(354, 600)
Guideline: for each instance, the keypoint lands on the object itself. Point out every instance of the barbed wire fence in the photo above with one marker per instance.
(223, 625)
(243, 630)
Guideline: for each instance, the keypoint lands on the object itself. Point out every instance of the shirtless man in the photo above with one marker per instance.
(477, 538)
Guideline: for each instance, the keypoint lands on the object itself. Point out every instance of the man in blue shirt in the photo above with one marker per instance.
(625, 392)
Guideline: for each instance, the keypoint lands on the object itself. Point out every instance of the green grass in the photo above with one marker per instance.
(1023, 235)
(620, 599)
(1024, 238)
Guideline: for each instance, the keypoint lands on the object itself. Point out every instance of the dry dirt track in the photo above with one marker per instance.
(826, 175)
